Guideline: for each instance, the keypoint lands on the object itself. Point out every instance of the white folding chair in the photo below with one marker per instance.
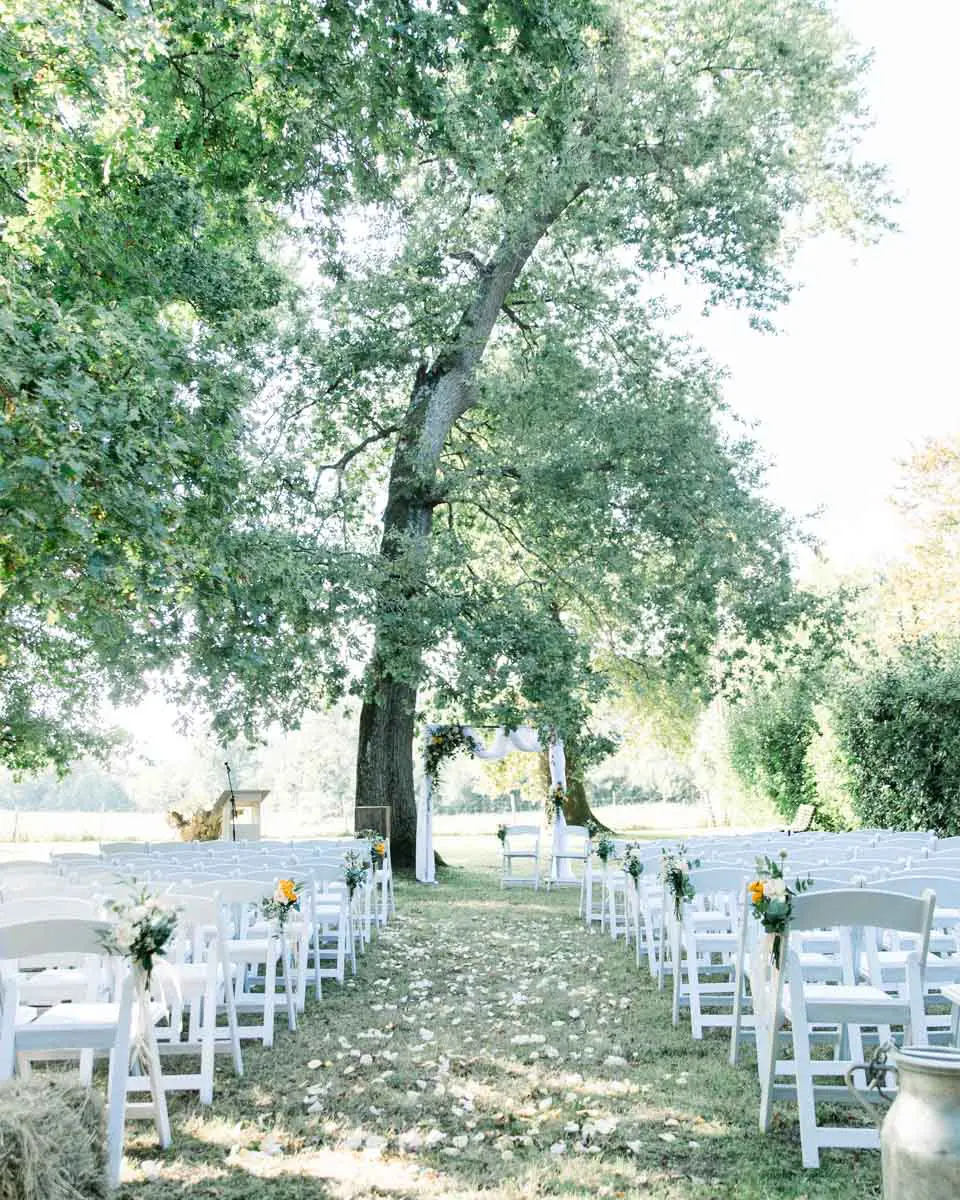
(247, 952)
(521, 845)
(100, 1025)
(195, 983)
(782, 994)
(704, 949)
(575, 848)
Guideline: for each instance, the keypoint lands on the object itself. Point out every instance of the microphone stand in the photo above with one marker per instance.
(233, 805)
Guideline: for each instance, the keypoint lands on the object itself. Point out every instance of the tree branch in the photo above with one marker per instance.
(111, 8)
(348, 456)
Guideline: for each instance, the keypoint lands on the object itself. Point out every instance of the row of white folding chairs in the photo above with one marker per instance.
(880, 985)
(43, 1019)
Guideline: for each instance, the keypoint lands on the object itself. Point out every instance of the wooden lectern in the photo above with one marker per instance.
(242, 825)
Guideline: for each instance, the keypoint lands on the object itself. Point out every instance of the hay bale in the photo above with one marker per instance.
(52, 1141)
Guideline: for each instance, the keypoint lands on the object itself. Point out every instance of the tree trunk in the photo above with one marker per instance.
(441, 394)
(385, 763)
(388, 716)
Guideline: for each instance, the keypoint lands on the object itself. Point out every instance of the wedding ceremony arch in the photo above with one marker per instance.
(503, 742)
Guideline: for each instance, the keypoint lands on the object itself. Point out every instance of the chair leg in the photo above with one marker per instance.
(677, 973)
(693, 989)
(208, 1031)
(155, 1075)
(233, 1025)
(116, 1107)
(288, 982)
(269, 997)
(810, 1149)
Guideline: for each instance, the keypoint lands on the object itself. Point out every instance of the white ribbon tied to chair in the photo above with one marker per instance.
(504, 742)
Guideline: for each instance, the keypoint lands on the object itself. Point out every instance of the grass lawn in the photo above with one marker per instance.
(488, 1046)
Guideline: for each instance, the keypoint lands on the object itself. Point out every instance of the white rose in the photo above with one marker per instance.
(137, 913)
(124, 935)
(774, 889)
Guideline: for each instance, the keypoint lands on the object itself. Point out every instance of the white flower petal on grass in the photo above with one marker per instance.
(558, 1148)
(435, 1137)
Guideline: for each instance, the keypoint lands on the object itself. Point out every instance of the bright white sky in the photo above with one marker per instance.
(863, 369)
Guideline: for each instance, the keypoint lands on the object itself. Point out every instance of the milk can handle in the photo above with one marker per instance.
(876, 1068)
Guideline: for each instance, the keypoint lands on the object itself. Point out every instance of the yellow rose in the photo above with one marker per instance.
(286, 891)
(756, 891)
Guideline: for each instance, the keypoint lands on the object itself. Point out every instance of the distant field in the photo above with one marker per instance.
(153, 827)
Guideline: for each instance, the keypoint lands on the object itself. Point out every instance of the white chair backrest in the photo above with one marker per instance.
(46, 908)
(57, 935)
(946, 889)
(867, 908)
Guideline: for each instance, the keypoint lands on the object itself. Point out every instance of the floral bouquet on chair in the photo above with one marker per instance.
(675, 870)
(378, 845)
(144, 929)
(771, 899)
(354, 871)
(285, 898)
(606, 848)
(632, 862)
(502, 834)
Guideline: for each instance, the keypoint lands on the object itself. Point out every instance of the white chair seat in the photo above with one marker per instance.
(64, 1017)
(53, 984)
(828, 994)
(253, 949)
(941, 968)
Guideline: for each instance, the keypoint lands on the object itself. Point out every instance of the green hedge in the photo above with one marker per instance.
(768, 739)
(898, 730)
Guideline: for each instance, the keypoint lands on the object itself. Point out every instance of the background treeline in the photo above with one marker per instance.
(868, 727)
(860, 718)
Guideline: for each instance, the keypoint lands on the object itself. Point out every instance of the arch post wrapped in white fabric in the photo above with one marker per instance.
(504, 742)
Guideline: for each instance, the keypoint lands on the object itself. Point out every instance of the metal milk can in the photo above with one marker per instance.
(920, 1138)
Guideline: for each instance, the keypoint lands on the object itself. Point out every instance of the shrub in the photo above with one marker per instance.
(768, 739)
(827, 766)
(898, 729)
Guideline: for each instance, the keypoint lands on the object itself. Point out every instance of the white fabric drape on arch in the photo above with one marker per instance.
(504, 742)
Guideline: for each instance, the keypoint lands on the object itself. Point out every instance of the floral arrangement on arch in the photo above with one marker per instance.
(558, 798)
(285, 898)
(632, 862)
(675, 870)
(144, 929)
(354, 871)
(771, 899)
(445, 742)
